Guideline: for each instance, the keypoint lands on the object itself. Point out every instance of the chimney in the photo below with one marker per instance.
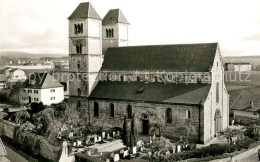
(252, 104)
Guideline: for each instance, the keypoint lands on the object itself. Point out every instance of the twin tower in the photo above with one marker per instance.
(89, 37)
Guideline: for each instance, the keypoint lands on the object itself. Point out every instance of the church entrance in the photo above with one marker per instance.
(217, 120)
(145, 127)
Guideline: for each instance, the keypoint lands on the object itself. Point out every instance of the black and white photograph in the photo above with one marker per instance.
(129, 80)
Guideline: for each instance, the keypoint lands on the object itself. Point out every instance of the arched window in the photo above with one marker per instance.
(79, 64)
(75, 29)
(79, 92)
(168, 115)
(112, 110)
(77, 48)
(96, 109)
(78, 104)
(112, 32)
(217, 93)
(107, 33)
(78, 28)
(80, 48)
(188, 114)
(129, 111)
(81, 27)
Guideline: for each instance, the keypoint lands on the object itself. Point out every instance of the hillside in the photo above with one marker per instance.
(19, 54)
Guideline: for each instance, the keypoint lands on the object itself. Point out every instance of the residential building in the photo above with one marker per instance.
(42, 87)
(16, 75)
(238, 67)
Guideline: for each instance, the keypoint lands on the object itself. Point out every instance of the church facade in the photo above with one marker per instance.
(171, 89)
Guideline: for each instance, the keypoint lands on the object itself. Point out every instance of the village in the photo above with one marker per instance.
(169, 102)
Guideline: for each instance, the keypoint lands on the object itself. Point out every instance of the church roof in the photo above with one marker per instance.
(151, 92)
(84, 11)
(173, 58)
(41, 81)
(114, 16)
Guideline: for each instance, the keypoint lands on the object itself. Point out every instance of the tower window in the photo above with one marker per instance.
(78, 48)
(109, 33)
(168, 115)
(129, 111)
(78, 64)
(75, 29)
(81, 28)
(96, 109)
(79, 92)
(112, 110)
(78, 104)
(78, 28)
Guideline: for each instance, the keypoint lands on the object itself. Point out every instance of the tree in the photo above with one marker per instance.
(20, 117)
(126, 133)
(44, 118)
(37, 107)
(134, 134)
(17, 94)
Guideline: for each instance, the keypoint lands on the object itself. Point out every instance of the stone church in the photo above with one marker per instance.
(171, 89)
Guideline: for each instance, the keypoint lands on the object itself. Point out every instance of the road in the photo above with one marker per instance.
(13, 156)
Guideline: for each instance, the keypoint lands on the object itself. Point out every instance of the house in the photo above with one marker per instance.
(245, 105)
(42, 87)
(16, 75)
(238, 67)
(5, 72)
(171, 89)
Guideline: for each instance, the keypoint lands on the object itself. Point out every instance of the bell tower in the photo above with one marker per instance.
(114, 30)
(85, 50)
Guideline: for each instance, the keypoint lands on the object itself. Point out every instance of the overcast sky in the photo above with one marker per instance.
(41, 26)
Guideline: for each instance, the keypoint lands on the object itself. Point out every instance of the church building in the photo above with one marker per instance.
(171, 89)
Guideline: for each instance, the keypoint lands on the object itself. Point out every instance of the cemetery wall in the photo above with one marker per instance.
(38, 145)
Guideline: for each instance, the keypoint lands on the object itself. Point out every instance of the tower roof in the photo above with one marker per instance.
(84, 11)
(114, 16)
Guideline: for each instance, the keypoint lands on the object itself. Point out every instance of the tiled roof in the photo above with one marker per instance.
(84, 11)
(193, 97)
(3, 70)
(173, 58)
(114, 16)
(14, 69)
(240, 98)
(41, 81)
(2, 149)
(153, 92)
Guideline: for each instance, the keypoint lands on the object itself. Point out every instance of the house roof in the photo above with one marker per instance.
(3, 70)
(150, 92)
(240, 98)
(2, 149)
(41, 81)
(14, 69)
(114, 16)
(84, 11)
(173, 58)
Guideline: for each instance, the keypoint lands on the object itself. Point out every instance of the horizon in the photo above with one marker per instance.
(42, 27)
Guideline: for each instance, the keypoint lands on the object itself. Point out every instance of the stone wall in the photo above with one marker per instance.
(38, 145)
(154, 113)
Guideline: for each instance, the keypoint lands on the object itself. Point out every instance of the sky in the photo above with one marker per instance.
(41, 26)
